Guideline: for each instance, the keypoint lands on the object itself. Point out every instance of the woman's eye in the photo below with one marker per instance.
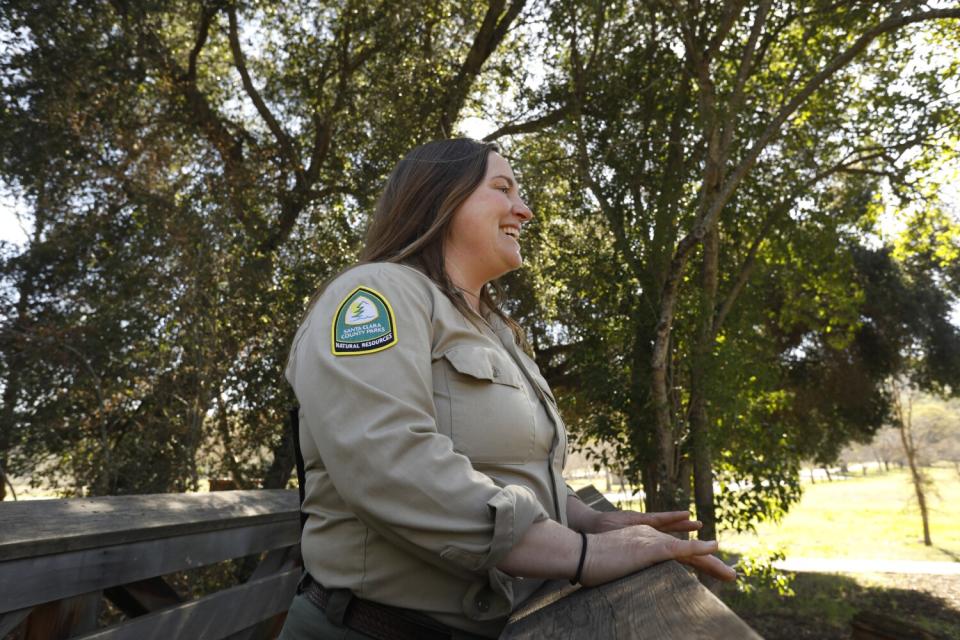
(504, 189)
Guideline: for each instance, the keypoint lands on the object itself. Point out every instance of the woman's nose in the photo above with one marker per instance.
(522, 210)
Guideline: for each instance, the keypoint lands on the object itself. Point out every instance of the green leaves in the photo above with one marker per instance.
(184, 215)
(765, 328)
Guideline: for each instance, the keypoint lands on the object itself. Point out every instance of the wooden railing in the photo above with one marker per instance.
(59, 559)
(664, 601)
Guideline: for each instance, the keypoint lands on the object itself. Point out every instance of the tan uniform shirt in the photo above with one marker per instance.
(428, 455)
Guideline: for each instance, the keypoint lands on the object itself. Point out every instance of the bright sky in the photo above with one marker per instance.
(11, 228)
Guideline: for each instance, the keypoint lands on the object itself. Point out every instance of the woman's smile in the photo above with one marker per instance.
(484, 237)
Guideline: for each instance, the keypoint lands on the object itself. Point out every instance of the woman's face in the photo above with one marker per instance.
(482, 243)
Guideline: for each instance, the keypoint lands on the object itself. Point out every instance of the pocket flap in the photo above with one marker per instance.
(484, 364)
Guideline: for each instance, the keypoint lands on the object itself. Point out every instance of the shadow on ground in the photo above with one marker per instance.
(825, 604)
(951, 554)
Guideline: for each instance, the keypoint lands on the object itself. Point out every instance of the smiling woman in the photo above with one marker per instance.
(433, 447)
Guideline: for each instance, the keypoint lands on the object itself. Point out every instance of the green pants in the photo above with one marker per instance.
(306, 622)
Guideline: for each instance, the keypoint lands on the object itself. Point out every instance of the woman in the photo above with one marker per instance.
(433, 445)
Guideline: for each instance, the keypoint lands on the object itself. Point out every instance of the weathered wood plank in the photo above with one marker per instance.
(663, 601)
(213, 617)
(63, 619)
(280, 558)
(276, 561)
(593, 498)
(39, 527)
(29, 581)
(143, 596)
(268, 629)
(12, 619)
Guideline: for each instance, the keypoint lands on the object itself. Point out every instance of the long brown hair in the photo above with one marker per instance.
(414, 212)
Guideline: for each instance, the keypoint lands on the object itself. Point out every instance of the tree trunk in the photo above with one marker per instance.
(284, 460)
(918, 482)
(904, 417)
(702, 360)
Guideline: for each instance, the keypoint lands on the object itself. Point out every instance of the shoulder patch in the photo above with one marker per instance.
(364, 323)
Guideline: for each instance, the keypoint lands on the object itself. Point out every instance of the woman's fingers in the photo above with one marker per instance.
(699, 553)
(666, 521)
(674, 521)
(711, 565)
(684, 548)
(683, 525)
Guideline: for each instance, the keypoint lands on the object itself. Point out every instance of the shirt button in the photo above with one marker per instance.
(496, 372)
(483, 605)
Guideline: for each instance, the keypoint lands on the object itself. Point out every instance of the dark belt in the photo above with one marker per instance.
(376, 620)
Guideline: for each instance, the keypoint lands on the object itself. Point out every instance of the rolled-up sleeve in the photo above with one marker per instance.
(373, 419)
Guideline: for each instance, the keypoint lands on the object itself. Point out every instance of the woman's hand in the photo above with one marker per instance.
(665, 521)
(550, 550)
(641, 546)
(580, 517)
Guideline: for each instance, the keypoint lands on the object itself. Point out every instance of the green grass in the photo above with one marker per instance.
(872, 517)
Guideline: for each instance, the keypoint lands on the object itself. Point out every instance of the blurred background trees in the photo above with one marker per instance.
(712, 286)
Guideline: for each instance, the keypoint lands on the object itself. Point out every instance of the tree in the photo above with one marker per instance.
(195, 172)
(903, 419)
(694, 141)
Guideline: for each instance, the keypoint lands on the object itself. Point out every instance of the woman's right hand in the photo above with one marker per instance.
(550, 550)
(613, 554)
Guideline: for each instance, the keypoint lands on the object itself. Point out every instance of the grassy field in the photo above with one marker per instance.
(872, 517)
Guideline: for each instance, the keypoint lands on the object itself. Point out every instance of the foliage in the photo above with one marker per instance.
(757, 572)
(194, 173)
(722, 169)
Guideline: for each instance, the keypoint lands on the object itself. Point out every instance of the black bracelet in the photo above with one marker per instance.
(583, 556)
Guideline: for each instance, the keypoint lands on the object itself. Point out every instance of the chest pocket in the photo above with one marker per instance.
(491, 415)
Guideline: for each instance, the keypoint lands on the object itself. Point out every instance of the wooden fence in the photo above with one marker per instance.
(59, 559)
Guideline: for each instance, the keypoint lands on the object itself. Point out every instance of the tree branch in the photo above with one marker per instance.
(746, 268)
(840, 61)
(203, 30)
(731, 12)
(688, 242)
(844, 165)
(613, 214)
(488, 38)
(531, 126)
(287, 148)
(211, 124)
(743, 72)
